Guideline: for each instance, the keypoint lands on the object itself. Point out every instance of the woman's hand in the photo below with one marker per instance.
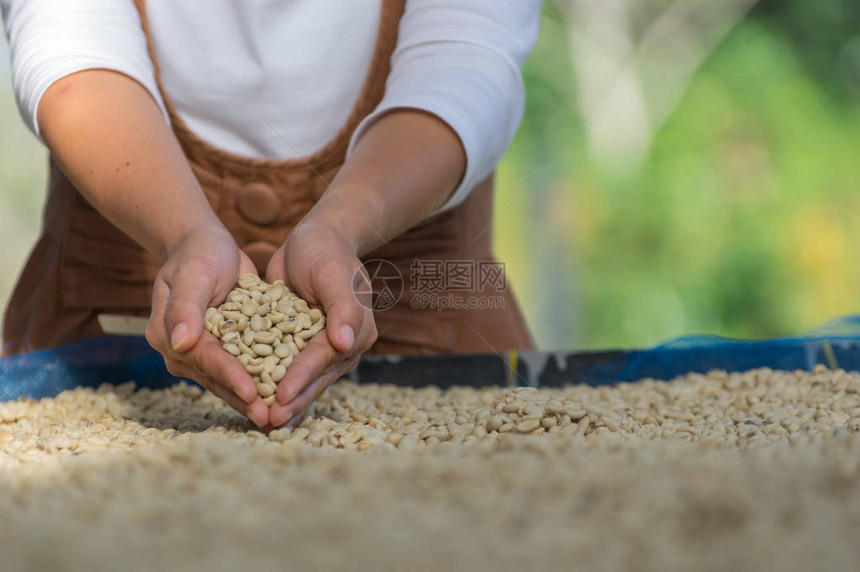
(319, 263)
(402, 168)
(200, 271)
(110, 137)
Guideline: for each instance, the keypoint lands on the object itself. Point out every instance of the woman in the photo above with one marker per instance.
(192, 142)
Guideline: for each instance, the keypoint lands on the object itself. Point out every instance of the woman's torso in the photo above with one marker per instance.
(294, 67)
(83, 266)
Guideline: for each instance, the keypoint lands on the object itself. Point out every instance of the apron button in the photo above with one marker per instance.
(259, 204)
(260, 254)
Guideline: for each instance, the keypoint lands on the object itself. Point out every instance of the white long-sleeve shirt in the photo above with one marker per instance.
(278, 78)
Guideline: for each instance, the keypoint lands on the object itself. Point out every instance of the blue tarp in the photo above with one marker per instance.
(118, 359)
(89, 363)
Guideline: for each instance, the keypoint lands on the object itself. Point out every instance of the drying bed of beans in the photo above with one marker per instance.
(759, 470)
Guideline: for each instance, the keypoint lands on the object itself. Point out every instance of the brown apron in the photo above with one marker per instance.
(82, 265)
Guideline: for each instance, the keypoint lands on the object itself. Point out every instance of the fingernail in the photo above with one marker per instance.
(259, 419)
(178, 336)
(285, 399)
(250, 395)
(347, 335)
(283, 418)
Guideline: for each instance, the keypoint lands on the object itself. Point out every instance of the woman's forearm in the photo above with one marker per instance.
(110, 138)
(404, 167)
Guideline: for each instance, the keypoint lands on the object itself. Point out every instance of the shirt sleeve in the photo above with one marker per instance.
(461, 60)
(50, 39)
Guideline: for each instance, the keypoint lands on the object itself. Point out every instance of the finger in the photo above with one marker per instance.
(368, 334)
(245, 264)
(180, 369)
(364, 294)
(297, 420)
(208, 357)
(333, 285)
(155, 333)
(256, 411)
(311, 362)
(280, 415)
(190, 294)
(277, 268)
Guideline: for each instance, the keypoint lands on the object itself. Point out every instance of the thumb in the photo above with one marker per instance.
(344, 313)
(245, 264)
(190, 294)
(276, 267)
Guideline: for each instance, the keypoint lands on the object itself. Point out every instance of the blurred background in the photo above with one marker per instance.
(683, 167)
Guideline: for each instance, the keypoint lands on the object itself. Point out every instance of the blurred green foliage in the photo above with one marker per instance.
(740, 219)
(23, 168)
